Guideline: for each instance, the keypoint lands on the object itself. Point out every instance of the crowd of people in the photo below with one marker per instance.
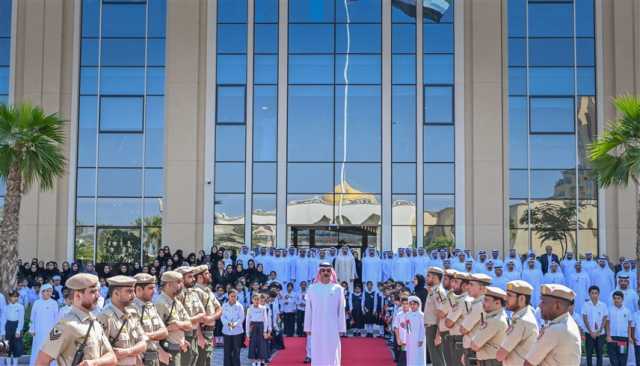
(257, 297)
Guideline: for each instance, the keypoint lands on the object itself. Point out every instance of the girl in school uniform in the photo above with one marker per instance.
(356, 303)
(257, 327)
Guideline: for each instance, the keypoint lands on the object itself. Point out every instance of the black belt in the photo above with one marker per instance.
(208, 328)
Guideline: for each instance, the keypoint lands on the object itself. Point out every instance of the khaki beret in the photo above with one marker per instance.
(144, 279)
(171, 276)
(450, 272)
(121, 281)
(481, 278)
(520, 287)
(436, 270)
(183, 270)
(557, 291)
(496, 293)
(82, 281)
(200, 269)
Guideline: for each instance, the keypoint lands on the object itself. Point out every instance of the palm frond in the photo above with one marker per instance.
(34, 141)
(615, 156)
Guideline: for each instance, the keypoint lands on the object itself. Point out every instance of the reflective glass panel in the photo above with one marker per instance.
(232, 38)
(120, 150)
(230, 105)
(123, 52)
(550, 19)
(552, 115)
(360, 69)
(264, 209)
(403, 178)
(121, 114)
(229, 209)
(358, 177)
(440, 235)
(438, 69)
(310, 209)
(119, 211)
(311, 38)
(230, 143)
(84, 244)
(265, 124)
(553, 151)
(403, 69)
(119, 182)
(123, 20)
(310, 114)
(311, 11)
(310, 178)
(438, 104)
(358, 38)
(439, 178)
(403, 237)
(403, 126)
(361, 138)
(229, 177)
(307, 69)
(439, 143)
(266, 38)
(403, 209)
(264, 177)
(228, 236)
(553, 183)
(118, 245)
(439, 209)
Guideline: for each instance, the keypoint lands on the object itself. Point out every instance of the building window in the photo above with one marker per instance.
(231, 124)
(5, 64)
(119, 177)
(552, 118)
(334, 116)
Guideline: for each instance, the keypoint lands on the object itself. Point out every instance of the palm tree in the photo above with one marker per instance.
(30, 152)
(615, 156)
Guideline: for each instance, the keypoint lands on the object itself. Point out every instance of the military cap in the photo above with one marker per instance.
(82, 281)
(183, 270)
(200, 269)
(144, 279)
(450, 272)
(436, 270)
(496, 292)
(557, 291)
(121, 281)
(461, 276)
(481, 278)
(171, 276)
(520, 287)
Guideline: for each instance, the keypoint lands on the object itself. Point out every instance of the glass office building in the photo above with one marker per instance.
(317, 123)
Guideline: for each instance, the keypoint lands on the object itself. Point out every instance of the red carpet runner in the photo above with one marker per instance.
(355, 351)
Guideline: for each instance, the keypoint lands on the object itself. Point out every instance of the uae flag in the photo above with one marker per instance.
(431, 9)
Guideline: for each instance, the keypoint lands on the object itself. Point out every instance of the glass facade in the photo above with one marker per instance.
(231, 123)
(552, 118)
(334, 122)
(120, 152)
(265, 123)
(438, 131)
(5, 65)
(333, 153)
(5, 49)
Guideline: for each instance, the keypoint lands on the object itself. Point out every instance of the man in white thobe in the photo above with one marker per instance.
(554, 275)
(301, 272)
(628, 271)
(324, 317)
(345, 266)
(371, 267)
(580, 283)
(602, 276)
(568, 264)
(512, 273)
(533, 275)
(402, 268)
(244, 256)
(44, 315)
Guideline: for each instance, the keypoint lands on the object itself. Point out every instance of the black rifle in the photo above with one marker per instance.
(79, 356)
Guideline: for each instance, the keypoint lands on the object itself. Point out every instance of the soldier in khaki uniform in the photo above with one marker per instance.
(195, 309)
(488, 338)
(523, 330)
(147, 316)
(436, 295)
(126, 336)
(454, 318)
(78, 327)
(212, 308)
(443, 309)
(474, 313)
(174, 316)
(559, 340)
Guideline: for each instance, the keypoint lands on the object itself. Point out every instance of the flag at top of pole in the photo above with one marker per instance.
(431, 9)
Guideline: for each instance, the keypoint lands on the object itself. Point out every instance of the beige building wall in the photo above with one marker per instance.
(185, 124)
(620, 60)
(485, 128)
(44, 75)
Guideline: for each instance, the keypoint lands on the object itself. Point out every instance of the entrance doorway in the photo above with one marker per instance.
(357, 237)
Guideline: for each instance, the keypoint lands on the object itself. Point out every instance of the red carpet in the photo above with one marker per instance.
(355, 351)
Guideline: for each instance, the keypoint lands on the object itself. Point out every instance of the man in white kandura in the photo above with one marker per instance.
(324, 318)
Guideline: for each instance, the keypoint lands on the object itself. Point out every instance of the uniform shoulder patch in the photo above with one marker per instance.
(55, 334)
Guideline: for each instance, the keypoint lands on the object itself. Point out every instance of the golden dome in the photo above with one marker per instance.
(345, 194)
